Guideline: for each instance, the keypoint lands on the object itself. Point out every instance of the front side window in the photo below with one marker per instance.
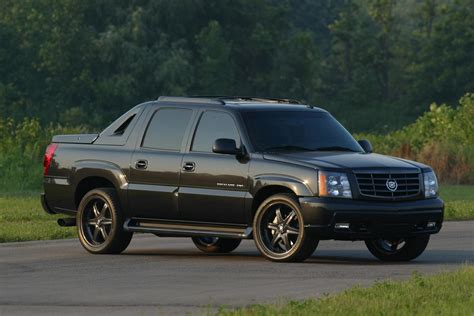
(297, 131)
(214, 125)
(166, 129)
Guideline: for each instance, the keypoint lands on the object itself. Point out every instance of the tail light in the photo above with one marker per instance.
(48, 157)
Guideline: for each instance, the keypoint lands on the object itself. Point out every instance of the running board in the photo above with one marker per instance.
(185, 229)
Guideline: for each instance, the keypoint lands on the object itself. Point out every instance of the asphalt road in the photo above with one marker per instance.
(170, 276)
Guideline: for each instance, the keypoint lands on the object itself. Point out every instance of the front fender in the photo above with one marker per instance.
(298, 186)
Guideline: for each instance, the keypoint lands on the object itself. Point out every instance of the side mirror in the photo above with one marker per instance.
(366, 145)
(226, 146)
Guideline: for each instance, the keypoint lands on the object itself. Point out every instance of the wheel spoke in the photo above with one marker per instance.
(290, 217)
(103, 232)
(292, 231)
(393, 246)
(95, 234)
(278, 216)
(104, 209)
(272, 226)
(95, 210)
(286, 241)
(92, 222)
(275, 238)
(107, 222)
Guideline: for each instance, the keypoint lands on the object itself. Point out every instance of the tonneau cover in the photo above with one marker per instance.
(75, 138)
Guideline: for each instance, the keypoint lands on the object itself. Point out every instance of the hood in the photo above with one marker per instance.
(345, 160)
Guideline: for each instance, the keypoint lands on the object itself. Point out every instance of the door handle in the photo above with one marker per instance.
(141, 164)
(189, 166)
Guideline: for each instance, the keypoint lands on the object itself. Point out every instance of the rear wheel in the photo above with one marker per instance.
(398, 249)
(216, 244)
(279, 231)
(100, 223)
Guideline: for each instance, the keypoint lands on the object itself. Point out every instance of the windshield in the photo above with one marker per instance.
(297, 131)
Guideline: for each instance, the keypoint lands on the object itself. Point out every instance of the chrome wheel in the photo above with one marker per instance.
(391, 246)
(398, 249)
(97, 222)
(279, 231)
(208, 241)
(280, 228)
(210, 244)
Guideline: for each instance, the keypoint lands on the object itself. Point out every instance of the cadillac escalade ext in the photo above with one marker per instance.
(223, 169)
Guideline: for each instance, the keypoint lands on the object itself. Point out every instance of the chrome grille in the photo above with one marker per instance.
(374, 185)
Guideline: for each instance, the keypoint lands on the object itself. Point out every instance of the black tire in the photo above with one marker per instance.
(404, 249)
(216, 244)
(279, 216)
(100, 223)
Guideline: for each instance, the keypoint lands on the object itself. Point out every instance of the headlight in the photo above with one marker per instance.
(430, 184)
(334, 184)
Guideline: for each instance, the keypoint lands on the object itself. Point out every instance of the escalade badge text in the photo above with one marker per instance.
(391, 184)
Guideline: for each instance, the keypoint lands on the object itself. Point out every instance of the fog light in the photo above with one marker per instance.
(342, 226)
(431, 225)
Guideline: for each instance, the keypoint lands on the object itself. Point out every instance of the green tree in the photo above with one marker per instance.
(215, 68)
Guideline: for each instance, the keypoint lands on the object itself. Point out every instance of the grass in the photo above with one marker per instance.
(459, 201)
(449, 293)
(450, 193)
(22, 218)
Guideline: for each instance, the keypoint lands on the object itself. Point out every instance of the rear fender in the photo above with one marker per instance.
(97, 168)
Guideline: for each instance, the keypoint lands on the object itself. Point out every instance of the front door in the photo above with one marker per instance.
(213, 186)
(156, 164)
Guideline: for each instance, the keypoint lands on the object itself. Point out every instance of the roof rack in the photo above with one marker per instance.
(220, 99)
(249, 98)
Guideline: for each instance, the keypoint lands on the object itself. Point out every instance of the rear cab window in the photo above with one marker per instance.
(167, 128)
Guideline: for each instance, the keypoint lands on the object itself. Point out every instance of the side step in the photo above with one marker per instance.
(185, 229)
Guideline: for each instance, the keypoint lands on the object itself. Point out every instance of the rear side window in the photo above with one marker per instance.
(166, 129)
(214, 125)
(122, 128)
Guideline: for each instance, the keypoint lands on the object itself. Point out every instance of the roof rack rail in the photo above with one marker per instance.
(248, 98)
(191, 99)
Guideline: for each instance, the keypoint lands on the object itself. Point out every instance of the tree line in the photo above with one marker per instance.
(375, 64)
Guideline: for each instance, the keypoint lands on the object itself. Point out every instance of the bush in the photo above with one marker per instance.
(443, 138)
(22, 146)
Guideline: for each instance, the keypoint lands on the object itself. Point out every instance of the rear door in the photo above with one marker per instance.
(156, 164)
(213, 186)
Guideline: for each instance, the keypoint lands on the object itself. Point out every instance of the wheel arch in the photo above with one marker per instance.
(89, 175)
(266, 186)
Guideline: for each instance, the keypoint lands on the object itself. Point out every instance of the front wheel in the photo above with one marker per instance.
(398, 249)
(279, 232)
(216, 244)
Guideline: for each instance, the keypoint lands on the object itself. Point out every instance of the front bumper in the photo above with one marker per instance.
(371, 219)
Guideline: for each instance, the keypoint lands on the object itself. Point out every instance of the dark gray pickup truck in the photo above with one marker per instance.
(223, 169)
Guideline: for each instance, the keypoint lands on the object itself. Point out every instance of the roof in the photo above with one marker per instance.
(248, 101)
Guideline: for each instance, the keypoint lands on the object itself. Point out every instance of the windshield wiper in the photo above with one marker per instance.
(288, 148)
(335, 148)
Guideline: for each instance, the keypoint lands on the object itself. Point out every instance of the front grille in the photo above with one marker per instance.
(374, 185)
